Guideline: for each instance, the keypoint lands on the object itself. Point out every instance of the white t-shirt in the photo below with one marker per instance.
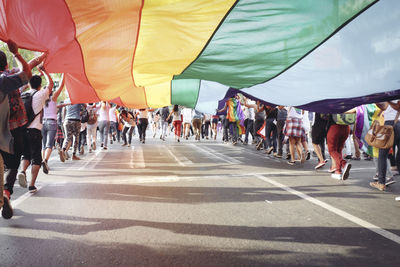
(390, 113)
(295, 113)
(187, 115)
(306, 122)
(111, 114)
(143, 114)
(38, 101)
(104, 114)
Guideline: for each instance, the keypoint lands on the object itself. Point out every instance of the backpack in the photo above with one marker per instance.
(27, 100)
(92, 117)
(344, 119)
(84, 115)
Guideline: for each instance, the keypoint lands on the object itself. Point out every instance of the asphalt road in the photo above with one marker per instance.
(200, 204)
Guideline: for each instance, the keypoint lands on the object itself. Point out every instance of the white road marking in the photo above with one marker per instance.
(343, 214)
(137, 158)
(177, 160)
(362, 169)
(217, 155)
(182, 160)
(90, 160)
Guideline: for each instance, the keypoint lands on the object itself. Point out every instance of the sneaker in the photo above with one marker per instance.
(279, 155)
(269, 150)
(308, 155)
(389, 181)
(276, 155)
(378, 186)
(111, 142)
(320, 165)
(104, 148)
(287, 156)
(62, 155)
(7, 211)
(332, 170)
(348, 157)
(22, 179)
(337, 176)
(291, 162)
(45, 167)
(75, 157)
(102, 144)
(376, 177)
(32, 189)
(355, 158)
(397, 199)
(326, 160)
(369, 158)
(259, 145)
(346, 171)
(113, 137)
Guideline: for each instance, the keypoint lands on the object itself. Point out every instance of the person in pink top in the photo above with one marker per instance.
(104, 123)
(49, 129)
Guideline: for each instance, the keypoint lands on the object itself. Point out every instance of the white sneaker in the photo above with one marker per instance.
(397, 198)
(346, 171)
(22, 179)
(336, 176)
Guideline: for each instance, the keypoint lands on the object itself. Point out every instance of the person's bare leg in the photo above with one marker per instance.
(34, 172)
(292, 143)
(317, 150)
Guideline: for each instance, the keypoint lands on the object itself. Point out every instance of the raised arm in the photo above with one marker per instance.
(224, 108)
(59, 89)
(37, 60)
(13, 47)
(395, 106)
(48, 78)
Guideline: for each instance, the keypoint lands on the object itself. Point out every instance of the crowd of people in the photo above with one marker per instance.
(33, 123)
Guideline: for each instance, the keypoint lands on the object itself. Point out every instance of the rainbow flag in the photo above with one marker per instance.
(154, 53)
(235, 114)
(366, 115)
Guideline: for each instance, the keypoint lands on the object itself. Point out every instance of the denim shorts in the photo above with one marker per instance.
(49, 131)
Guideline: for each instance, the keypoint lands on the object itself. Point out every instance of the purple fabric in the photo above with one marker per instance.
(338, 105)
(240, 114)
(358, 128)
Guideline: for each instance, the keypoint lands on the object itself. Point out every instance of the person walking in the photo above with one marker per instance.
(11, 126)
(49, 129)
(391, 115)
(143, 122)
(72, 126)
(32, 153)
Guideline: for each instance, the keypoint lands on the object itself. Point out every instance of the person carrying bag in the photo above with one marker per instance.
(381, 136)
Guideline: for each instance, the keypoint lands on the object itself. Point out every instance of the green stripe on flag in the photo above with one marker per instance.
(260, 39)
(185, 92)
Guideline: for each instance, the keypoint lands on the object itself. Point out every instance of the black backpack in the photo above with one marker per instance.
(27, 100)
